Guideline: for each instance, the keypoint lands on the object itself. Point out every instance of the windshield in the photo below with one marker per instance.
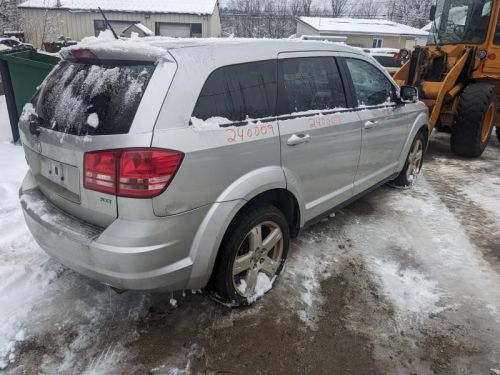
(87, 99)
(460, 21)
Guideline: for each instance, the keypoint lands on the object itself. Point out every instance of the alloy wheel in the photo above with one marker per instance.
(260, 252)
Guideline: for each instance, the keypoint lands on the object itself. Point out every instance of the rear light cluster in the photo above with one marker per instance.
(134, 173)
(83, 54)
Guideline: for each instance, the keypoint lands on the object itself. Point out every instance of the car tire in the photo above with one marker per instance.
(413, 163)
(245, 268)
(473, 124)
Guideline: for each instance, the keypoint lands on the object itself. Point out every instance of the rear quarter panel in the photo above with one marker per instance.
(220, 163)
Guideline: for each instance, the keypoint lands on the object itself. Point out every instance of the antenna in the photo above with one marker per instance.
(107, 23)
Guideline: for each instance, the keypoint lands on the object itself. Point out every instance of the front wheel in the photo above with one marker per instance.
(413, 164)
(252, 255)
(477, 108)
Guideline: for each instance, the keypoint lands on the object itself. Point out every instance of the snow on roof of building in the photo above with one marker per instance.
(146, 30)
(428, 27)
(144, 6)
(361, 26)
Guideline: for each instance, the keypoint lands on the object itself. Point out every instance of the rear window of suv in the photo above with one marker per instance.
(88, 99)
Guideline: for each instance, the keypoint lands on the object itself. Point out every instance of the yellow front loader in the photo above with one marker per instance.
(458, 72)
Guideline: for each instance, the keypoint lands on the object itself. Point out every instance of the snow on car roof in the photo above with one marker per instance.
(154, 48)
(148, 6)
(361, 26)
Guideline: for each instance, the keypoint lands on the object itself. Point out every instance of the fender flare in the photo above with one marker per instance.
(208, 238)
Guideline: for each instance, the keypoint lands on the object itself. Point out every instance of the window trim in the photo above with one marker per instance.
(353, 89)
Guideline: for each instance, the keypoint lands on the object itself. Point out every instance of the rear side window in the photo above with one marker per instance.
(310, 83)
(238, 92)
(87, 99)
(371, 85)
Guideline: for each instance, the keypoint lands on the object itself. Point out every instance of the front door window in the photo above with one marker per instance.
(371, 85)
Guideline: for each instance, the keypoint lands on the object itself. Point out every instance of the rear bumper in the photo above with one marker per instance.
(154, 256)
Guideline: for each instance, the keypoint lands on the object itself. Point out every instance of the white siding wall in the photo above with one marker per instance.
(366, 41)
(78, 25)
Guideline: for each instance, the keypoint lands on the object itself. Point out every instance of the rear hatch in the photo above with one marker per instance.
(83, 105)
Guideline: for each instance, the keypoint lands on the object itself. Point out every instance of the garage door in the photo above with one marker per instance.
(175, 30)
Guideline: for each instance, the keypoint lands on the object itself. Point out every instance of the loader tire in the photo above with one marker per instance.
(473, 125)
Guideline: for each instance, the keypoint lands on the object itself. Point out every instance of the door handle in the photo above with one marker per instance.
(371, 124)
(297, 139)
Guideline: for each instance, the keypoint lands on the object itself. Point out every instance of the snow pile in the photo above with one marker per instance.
(305, 270)
(28, 111)
(21, 287)
(93, 120)
(16, 243)
(22, 278)
(412, 292)
(212, 123)
(138, 48)
(264, 285)
(144, 29)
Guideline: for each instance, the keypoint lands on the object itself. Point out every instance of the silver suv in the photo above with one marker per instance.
(167, 165)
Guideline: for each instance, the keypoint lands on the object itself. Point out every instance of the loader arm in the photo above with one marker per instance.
(448, 83)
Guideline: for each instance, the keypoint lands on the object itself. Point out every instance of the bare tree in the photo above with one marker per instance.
(260, 18)
(410, 12)
(366, 9)
(306, 7)
(339, 7)
(9, 15)
(296, 7)
(300, 7)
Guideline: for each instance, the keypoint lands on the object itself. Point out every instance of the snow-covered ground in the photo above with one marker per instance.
(399, 282)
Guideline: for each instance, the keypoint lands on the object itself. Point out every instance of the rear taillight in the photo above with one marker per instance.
(135, 173)
(83, 54)
(100, 171)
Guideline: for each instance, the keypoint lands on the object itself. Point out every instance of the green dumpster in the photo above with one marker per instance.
(22, 72)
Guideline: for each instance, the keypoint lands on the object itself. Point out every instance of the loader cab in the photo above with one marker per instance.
(460, 22)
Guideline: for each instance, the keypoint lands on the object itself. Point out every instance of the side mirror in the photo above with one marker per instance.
(409, 94)
(432, 14)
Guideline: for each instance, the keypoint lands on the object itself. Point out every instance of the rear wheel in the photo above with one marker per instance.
(252, 255)
(473, 125)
